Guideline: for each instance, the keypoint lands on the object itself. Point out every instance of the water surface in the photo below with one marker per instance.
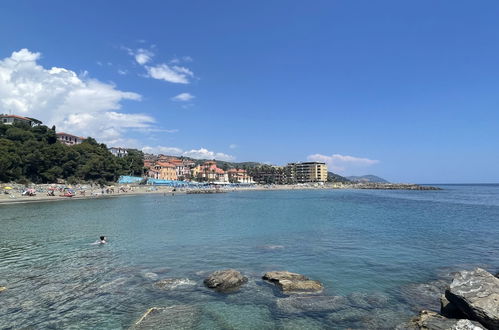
(377, 250)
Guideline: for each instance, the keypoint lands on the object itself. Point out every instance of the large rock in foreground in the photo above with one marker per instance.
(173, 317)
(433, 321)
(293, 283)
(225, 280)
(476, 294)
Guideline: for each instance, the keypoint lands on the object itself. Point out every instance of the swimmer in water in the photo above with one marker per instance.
(102, 240)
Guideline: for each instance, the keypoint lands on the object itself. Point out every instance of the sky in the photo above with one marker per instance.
(407, 90)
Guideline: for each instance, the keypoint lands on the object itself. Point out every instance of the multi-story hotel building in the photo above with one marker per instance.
(69, 139)
(308, 172)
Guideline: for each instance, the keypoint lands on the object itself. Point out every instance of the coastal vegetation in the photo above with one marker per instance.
(33, 154)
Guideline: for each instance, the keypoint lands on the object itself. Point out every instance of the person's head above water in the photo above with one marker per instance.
(102, 238)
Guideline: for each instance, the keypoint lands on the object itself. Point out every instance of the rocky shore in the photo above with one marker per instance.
(470, 302)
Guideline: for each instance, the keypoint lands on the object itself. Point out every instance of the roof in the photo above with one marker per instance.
(164, 164)
(67, 134)
(16, 116)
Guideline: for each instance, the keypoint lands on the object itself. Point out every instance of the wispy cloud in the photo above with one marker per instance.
(233, 146)
(174, 74)
(183, 97)
(201, 153)
(343, 163)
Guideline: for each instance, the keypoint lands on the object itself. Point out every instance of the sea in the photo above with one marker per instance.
(381, 255)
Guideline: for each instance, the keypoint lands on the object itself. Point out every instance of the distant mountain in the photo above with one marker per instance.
(333, 177)
(367, 178)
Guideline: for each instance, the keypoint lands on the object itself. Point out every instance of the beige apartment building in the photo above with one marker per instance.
(308, 172)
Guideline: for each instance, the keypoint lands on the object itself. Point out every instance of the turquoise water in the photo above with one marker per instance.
(381, 254)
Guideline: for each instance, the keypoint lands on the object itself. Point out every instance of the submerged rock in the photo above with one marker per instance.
(312, 304)
(225, 280)
(292, 282)
(173, 317)
(219, 315)
(476, 294)
(428, 320)
(173, 283)
(368, 300)
(424, 295)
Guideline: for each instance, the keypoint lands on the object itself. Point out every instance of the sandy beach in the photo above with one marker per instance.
(15, 194)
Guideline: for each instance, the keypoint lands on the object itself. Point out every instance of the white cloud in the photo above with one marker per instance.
(74, 103)
(343, 163)
(183, 97)
(232, 146)
(122, 72)
(174, 74)
(143, 56)
(200, 153)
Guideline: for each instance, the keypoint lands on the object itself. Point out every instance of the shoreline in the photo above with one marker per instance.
(7, 199)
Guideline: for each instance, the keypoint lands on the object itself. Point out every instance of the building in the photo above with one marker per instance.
(118, 152)
(11, 119)
(239, 176)
(267, 174)
(69, 139)
(308, 172)
(210, 172)
(164, 171)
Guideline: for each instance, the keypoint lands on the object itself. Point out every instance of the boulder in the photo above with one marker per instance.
(291, 283)
(428, 320)
(173, 317)
(450, 310)
(277, 276)
(225, 280)
(476, 294)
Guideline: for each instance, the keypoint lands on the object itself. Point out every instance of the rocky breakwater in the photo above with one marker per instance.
(293, 283)
(225, 280)
(470, 302)
(389, 186)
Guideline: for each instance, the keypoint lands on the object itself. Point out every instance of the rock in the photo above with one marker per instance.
(368, 300)
(173, 283)
(476, 294)
(308, 286)
(173, 317)
(2, 288)
(225, 280)
(428, 320)
(277, 276)
(312, 304)
(450, 310)
(291, 283)
(423, 295)
(221, 315)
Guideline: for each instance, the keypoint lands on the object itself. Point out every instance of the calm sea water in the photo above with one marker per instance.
(382, 254)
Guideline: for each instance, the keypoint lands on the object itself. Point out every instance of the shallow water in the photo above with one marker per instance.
(380, 254)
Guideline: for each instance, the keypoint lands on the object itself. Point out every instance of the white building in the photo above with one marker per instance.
(11, 119)
(118, 152)
(69, 139)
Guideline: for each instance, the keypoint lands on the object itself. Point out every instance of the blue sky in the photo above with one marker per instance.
(407, 90)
